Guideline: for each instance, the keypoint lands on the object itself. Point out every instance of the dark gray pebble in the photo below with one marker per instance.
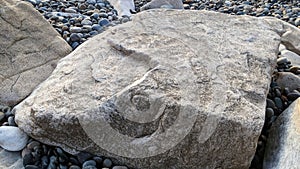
(293, 96)
(31, 167)
(44, 161)
(74, 37)
(74, 167)
(75, 45)
(28, 159)
(270, 104)
(89, 163)
(33, 144)
(278, 103)
(103, 22)
(98, 160)
(96, 27)
(89, 167)
(93, 33)
(62, 166)
(83, 156)
(107, 163)
(269, 113)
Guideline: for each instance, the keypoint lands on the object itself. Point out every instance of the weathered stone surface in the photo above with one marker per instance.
(10, 160)
(283, 148)
(29, 50)
(185, 91)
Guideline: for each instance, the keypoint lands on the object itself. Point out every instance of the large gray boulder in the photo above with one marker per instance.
(187, 90)
(29, 50)
(283, 146)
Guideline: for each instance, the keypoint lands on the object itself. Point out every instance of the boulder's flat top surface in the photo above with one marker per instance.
(203, 73)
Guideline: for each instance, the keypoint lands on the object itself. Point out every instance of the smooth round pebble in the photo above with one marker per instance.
(107, 163)
(103, 22)
(89, 163)
(269, 113)
(75, 37)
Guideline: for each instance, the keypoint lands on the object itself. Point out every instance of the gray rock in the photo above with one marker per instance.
(291, 56)
(10, 160)
(173, 4)
(289, 80)
(283, 148)
(2, 115)
(173, 90)
(12, 138)
(123, 6)
(291, 39)
(29, 47)
(75, 29)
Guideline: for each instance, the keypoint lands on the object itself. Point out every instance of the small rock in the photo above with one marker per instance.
(74, 45)
(269, 113)
(278, 103)
(119, 167)
(11, 121)
(293, 96)
(74, 167)
(28, 159)
(281, 47)
(96, 27)
(89, 163)
(74, 37)
(33, 144)
(270, 104)
(12, 138)
(70, 10)
(31, 167)
(282, 60)
(83, 156)
(75, 29)
(86, 22)
(2, 115)
(107, 163)
(103, 22)
(289, 80)
(291, 56)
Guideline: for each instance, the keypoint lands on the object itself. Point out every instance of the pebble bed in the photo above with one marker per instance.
(78, 20)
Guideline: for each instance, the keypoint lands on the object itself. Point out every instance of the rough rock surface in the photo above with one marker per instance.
(10, 160)
(185, 91)
(29, 50)
(283, 148)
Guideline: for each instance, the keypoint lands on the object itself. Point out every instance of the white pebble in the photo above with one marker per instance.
(12, 138)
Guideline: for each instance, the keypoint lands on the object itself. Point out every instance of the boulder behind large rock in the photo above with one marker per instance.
(171, 89)
(29, 50)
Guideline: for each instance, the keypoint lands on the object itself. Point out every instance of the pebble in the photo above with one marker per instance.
(75, 29)
(107, 163)
(282, 60)
(2, 115)
(12, 138)
(75, 37)
(119, 167)
(103, 22)
(74, 167)
(89, 163)
(269, 113)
